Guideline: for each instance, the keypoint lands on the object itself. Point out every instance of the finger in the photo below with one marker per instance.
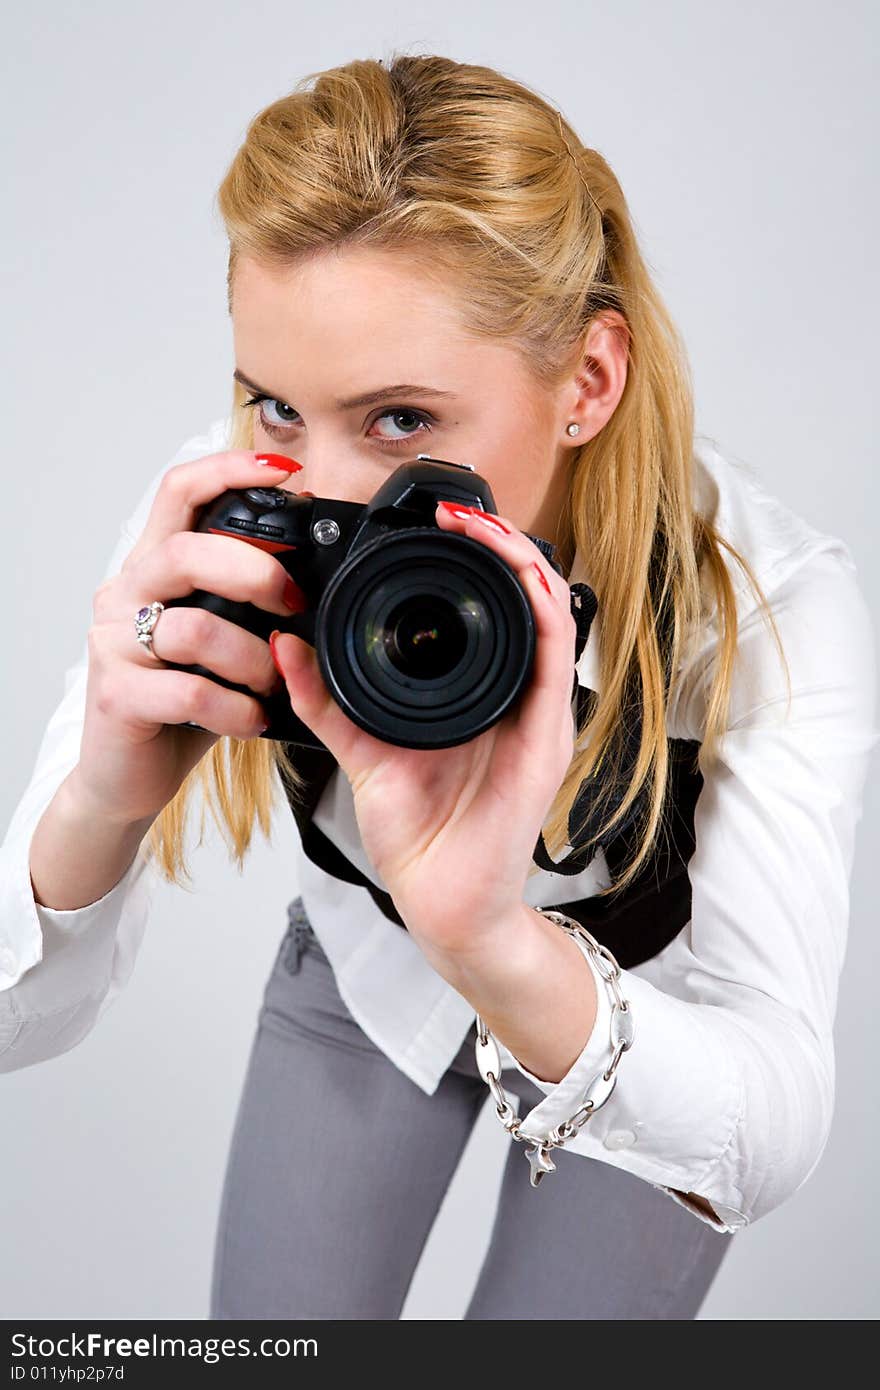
(189, 486)
(546, 703)
(179, 697)
(549, 592)
(514, 546)
(221, 565)
(146, 699)
(297, 663)
(195, 636)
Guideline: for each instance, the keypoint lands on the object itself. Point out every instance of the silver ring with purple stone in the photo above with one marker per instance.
(144, 622)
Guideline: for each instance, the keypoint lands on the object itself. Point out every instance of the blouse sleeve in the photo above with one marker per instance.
(727, 1091)
(59, 970)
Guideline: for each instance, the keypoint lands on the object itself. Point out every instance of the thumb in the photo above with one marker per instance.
(297, 663)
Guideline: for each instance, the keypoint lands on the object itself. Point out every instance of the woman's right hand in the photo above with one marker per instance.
(133, 759)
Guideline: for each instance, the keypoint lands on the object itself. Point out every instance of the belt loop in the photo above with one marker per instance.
(298, 932)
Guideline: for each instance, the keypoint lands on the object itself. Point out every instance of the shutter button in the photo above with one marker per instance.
(267, 499)
(619, 1139)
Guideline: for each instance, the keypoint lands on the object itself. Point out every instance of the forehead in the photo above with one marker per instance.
(345, 282)
(369, 310)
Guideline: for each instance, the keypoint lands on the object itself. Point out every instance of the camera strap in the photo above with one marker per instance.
(638, 921)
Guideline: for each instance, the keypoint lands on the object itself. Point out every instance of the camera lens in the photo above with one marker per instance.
(425, 637)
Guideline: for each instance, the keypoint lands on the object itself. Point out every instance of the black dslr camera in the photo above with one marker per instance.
(425, 638)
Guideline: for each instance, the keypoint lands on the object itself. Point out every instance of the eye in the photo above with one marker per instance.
(282, 429)
(269, 425)
(403, 411)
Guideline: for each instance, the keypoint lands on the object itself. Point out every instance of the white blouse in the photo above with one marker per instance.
(728, 1089)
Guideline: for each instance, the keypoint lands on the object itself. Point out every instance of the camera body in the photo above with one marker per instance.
(425, 638)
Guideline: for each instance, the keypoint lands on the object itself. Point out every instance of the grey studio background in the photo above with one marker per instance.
(742, 137)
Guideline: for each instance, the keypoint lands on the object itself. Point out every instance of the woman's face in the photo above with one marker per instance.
(354, 322)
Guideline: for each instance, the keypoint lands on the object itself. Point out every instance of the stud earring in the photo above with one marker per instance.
(573, 428)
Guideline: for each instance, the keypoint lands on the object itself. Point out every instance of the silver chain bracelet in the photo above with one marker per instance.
(600, 1088)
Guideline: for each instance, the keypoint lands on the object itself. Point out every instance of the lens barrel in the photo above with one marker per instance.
(426, 638)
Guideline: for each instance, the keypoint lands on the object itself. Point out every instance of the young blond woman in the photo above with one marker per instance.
(424, 258)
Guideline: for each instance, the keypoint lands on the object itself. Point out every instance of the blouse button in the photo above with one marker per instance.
(619, 1139)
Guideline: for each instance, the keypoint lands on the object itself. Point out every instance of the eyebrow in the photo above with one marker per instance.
(385, 393)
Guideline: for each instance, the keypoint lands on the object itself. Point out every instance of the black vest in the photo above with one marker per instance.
(636, 923)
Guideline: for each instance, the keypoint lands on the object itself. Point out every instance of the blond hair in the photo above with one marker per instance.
(481, 181)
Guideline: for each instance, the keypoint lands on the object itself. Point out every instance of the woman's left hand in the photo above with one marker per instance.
(451, 831)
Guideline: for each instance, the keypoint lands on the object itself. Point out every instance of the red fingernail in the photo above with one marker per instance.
(456, 509)
(490, 520)
(543, 578)
(272, 637)
(294, 597)
(278, 461)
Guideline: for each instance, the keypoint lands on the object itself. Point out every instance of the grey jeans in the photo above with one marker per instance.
(338, 1164)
